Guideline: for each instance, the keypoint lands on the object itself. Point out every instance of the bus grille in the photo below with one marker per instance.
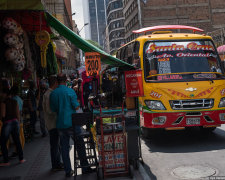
(192, 104)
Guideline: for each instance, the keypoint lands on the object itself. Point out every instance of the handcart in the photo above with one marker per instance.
(112, 145)
(84, 119)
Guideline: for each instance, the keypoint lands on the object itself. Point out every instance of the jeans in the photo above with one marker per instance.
(55, 148)
(65, 135)
(12, 128)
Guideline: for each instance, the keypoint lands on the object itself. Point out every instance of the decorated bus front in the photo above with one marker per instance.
(184, 84)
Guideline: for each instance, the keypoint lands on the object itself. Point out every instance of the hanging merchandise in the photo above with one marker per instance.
(13, 39)
(9, 23)
(42, 39)
(11, 54)
(28, 52)
(52, 67)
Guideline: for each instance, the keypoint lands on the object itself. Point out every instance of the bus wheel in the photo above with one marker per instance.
(207, 130)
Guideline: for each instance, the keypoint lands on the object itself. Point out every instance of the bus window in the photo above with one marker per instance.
(130, 53)
(125, 54)
(136, 57)
(118, 54)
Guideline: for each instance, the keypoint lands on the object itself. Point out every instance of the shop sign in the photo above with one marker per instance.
(114, 153)
(92, 63)
(134, 84)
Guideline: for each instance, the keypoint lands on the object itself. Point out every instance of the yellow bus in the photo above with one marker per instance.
(183, 78)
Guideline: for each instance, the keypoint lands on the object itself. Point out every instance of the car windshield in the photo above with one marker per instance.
(178, 60)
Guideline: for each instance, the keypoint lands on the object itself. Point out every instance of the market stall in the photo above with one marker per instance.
(27, 51)
(38, 21)
(131, 115)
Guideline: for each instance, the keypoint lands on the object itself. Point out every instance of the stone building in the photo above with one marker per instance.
(66, 53)
(205, 14)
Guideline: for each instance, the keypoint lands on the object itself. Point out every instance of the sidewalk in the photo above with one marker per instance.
(38, 165)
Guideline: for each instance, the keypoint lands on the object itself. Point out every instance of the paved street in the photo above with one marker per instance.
(37, 166)
(185, 155)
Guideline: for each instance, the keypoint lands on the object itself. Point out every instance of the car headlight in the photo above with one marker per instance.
(222, 102)
(155, 105)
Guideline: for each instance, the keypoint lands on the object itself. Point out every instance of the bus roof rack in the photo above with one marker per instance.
(161, 27)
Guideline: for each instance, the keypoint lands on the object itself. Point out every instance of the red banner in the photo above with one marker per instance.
(134, 84)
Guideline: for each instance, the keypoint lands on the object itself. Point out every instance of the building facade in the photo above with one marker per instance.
(66, 53)
(94, 15)
(115, 24)
(205, 14)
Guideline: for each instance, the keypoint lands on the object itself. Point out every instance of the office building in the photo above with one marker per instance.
(94, 15)
(205, 14)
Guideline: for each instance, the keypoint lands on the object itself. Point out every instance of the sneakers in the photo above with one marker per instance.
(22, 161)
(71, 173)
(4, 164)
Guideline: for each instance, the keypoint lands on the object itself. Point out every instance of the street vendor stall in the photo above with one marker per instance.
(131, 116)
(24, 34)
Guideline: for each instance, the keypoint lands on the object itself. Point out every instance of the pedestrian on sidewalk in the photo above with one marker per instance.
(50, 120)
(15, 95)
(32, 106)
(63, 101)
(10, 116)
(42, 89)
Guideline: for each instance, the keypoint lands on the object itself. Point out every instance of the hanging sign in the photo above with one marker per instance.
(134, 84)
(92, 63)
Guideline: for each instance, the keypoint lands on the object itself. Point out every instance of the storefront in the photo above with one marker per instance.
(22, 26)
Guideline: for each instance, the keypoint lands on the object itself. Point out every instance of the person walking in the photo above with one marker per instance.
(32, 106)
(50, 120)
(10, 116)
(15, 95)
(42, 89)
(63, 101)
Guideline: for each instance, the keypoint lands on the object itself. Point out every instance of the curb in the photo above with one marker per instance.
(143, 173)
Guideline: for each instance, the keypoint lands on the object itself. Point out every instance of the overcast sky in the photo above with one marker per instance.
(77, 7)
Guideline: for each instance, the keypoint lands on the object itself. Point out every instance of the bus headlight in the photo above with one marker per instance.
(222, 102)
(155, 105)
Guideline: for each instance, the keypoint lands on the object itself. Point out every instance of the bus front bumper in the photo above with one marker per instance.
(183, 119)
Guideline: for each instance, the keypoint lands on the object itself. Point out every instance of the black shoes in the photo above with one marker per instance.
(58, 168)
(71, 173)
(87, 171)
(14, 155)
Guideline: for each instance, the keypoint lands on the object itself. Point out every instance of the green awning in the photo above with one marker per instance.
(83, 44)
(21, 5)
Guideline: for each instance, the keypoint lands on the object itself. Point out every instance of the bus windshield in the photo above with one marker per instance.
(177, 60)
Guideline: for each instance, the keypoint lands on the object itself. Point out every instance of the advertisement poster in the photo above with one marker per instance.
(113, 161)
(134, 84)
